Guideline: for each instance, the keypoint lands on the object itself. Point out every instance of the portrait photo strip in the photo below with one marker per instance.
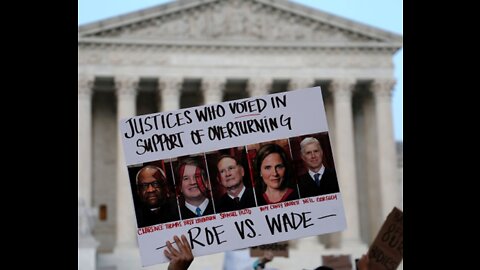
(249, 174)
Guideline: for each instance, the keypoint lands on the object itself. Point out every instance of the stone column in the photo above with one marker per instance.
(169, 90)
(345, 157)
(300, 83)
(387, 161)
(126, 90)
(87, 244)
(259, 86)
(212, 89)
(85, 86)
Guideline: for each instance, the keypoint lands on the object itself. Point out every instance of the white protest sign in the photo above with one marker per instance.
(173, 159)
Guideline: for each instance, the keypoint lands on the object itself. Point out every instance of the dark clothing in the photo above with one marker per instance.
(186, 213)
(328, 184)
(292, 196)
(226, 203)
(168, 212)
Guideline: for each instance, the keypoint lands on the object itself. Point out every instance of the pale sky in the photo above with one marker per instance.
(384, 14)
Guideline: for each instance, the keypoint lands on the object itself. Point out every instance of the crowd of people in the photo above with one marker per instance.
(181, 257)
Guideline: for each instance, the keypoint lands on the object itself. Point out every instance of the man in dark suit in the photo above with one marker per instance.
(230, 176)
(194, 187)
(156, 206)
(318, 180)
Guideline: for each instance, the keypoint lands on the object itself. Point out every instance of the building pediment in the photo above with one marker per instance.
(230, 21)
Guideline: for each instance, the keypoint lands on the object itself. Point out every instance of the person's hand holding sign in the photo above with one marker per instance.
(362, 264)
(179, 259)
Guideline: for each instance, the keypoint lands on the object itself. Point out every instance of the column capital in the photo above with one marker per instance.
(212, 85)
(300, 83)
(383, 87)
(126, 86)
(342, 87)
(85, 86)
(170, 85)
(259, 86)
(212, 89)
(169, 89)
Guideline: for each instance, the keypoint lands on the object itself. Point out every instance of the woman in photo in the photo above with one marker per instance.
(273, 171)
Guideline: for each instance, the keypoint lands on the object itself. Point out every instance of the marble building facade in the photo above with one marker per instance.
(188, 53)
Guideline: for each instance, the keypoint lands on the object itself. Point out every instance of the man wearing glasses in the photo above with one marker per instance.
(230, 175)
(156, 204)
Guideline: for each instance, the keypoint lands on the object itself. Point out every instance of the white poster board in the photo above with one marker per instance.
(242, 129)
